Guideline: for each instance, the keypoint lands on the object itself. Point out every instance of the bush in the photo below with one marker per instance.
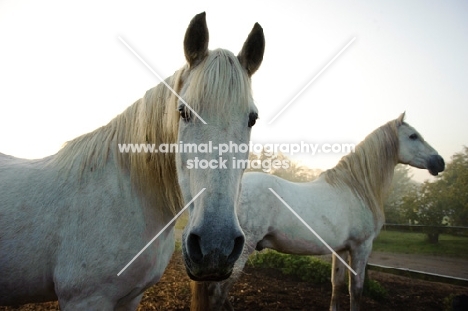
(448, 301)
(374, 290)
(267, 259)
(309, 269)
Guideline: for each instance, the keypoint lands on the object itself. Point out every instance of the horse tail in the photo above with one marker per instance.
(200, 296)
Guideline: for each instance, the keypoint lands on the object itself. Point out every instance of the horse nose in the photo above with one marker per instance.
(436, 164)
(441, 163)
(215, 249)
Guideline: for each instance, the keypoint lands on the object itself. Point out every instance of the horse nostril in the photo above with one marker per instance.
(193, 248)
(237, 250)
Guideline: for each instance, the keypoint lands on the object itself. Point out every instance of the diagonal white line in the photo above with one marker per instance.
(162, 230)
(313, 79)
(313, 231)
(160, 79)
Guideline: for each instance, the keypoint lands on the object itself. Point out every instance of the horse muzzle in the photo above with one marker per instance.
(212, 267)
(435, 164)
(200, 273)
(211, 259)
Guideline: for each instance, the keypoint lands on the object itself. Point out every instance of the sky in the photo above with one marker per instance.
(64, 72)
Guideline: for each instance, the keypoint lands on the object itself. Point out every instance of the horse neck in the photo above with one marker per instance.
(154, 121)
(369, 170)
(150, 120)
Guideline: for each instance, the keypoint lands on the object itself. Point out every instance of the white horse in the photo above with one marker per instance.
(344, 206)
(70, 222)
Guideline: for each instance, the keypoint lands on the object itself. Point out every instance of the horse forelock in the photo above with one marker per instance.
(368, 171)
(219, 85)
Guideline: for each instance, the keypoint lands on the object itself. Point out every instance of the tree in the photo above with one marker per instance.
(293, 171)
(445, 197)
(252, 159)
(454, 183)
(401, 186)
(410, 204)
(421, 207)
(287, 169)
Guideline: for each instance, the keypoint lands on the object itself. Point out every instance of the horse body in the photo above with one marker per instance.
(337, 215)
(63, 236)
(344, 206)
(282, 231)
(70, 222)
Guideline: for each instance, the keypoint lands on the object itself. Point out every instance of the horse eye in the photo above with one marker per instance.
(184, 113)
(253, 116)
(413, 136)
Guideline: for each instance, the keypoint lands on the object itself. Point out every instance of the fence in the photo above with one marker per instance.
(426, 276)
(458, 231)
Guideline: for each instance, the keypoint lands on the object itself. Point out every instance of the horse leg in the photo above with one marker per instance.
(210, 296)
(97, 299)
(338, 279)
(131, 305)
(90, 303)
(359, 257)
(199, 300)
(98, 303)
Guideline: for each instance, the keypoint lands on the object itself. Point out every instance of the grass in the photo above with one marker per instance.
(416, 243)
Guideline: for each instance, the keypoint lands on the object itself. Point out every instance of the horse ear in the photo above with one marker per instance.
(251, 55)
(196, 40)
(401, 118)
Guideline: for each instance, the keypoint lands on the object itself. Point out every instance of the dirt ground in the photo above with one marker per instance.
(268, 289)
